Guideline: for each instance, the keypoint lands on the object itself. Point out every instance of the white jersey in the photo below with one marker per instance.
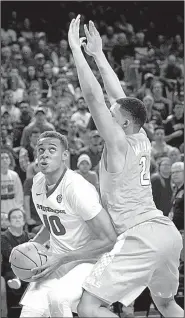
(65, 208)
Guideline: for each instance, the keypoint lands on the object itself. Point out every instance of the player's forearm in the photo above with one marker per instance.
(110, 79)
(90, 87)
(42, 236)
(93, 249)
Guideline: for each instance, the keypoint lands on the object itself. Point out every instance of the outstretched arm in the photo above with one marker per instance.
(92, 91)
(110, 79)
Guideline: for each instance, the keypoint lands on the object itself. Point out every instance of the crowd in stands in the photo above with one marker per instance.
(40, 91)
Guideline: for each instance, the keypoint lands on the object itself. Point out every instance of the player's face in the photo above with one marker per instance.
(17, 219)
(50, 154)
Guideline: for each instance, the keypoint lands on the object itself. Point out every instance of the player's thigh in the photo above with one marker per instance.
(123, 274)
(69, 287)
(165, 279)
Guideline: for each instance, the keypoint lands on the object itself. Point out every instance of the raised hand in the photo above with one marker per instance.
(94, 41)
(73, 35)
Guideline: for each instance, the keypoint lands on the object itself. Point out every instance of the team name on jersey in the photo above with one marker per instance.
(140, 147)
(48, 209)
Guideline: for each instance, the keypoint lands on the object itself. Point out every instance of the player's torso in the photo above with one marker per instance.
(68, 231)
(127, 195)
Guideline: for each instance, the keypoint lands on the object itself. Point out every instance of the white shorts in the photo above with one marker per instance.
(144, 256)
(67, 289)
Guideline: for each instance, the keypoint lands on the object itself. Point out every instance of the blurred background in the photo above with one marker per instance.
(143, 42)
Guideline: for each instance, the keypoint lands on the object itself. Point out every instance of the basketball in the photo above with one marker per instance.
(25, 257)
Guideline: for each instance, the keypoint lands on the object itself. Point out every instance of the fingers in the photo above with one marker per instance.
(88, 36)
(41, 275)
(41, 268)
(93, 28)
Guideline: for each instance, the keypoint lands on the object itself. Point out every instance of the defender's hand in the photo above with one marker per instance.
(73, 34)
(94, 41)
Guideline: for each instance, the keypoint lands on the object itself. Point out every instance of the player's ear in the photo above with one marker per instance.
(65, 155)
(126, 123)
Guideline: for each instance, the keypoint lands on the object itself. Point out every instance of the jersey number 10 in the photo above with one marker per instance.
(144, 175)
(53, 223)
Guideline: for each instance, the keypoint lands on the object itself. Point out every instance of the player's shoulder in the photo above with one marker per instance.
(73, 177)
(38, 179)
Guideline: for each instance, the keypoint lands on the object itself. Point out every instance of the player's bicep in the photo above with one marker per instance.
(101, 225)
(102, 117)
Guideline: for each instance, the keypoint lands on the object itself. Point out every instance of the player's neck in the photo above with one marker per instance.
(51, 179)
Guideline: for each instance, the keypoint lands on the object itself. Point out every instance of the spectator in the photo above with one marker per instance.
(178, 47)
(25, 119)
(177, 171)
(32, 217)
(175, 155)
(15, 85)
(161, 105)
(11, 187)
(161, 186)
(39, 63)
(94, 149)
(75, 143)
(28, 154)
(174, 127)
(109, 40)
(145, 89)
(82, 116)
(153, 120)
(48, 80)
(84, 165)
(171, 71)
(31, 75)
(34, 99)
(9, 106)
(159, 146)
(26, 31)
(122, 49)
(12, 237)
(40, 122)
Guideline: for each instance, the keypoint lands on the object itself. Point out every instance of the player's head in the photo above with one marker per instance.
(16, 218)
(129, 113)
(52, 152)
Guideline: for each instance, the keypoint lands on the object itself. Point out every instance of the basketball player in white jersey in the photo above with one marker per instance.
(148, 247)
(78, 228)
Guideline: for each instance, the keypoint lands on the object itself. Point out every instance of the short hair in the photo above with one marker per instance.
(16, 209)
(135, 108)
(54, 134)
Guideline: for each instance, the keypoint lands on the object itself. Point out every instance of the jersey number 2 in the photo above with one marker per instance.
(53, 222)
(144, 175)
